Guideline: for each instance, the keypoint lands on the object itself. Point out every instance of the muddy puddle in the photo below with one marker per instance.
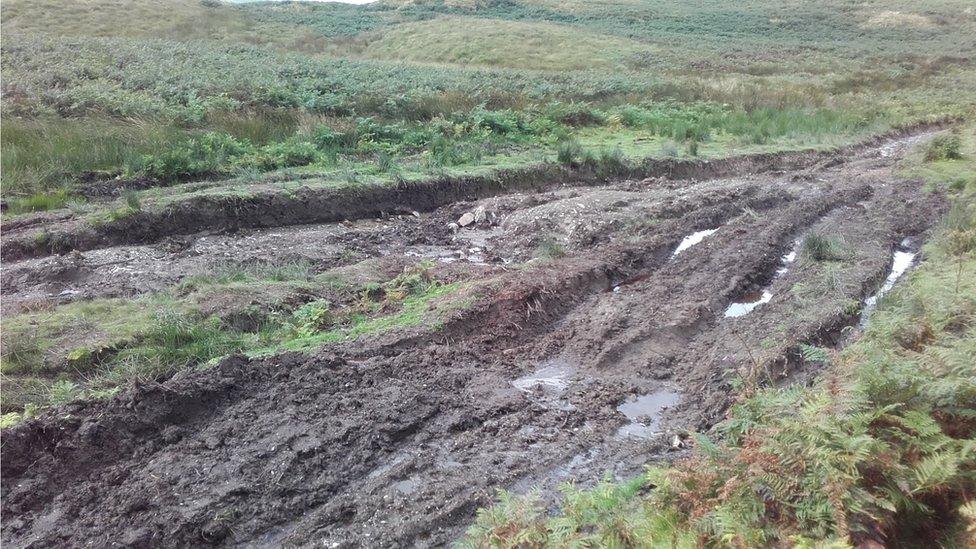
(444, 254)
(755, 298)
(469, 245)
(547, 385)
(644, 413)
(691, 240)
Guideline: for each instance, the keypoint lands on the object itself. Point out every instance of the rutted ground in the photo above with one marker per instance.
(395, 440)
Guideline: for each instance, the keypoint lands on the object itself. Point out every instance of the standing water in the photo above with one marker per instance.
(644, 413)
(754, 299)
(691, 240)
(901, 261)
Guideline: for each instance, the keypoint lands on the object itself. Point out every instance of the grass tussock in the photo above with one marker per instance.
(818, 247)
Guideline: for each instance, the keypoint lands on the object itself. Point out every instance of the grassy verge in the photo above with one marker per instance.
(92, 348)
(881, 448)
(354, 151)
(123, 88)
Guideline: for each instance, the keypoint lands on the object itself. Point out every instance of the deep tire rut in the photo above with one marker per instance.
(394, 441)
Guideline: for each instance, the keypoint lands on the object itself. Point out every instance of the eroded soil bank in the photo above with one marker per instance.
(216, 207)
(599, 357)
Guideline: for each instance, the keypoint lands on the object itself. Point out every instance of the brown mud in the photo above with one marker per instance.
(598, 359)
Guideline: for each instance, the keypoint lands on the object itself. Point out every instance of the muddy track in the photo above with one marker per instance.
(396, 440)
(266, 206)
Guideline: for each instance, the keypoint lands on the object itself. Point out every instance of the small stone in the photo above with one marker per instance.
(453, 226)
(676, 442)
(466, 219)
(480, 214)
(415, 213)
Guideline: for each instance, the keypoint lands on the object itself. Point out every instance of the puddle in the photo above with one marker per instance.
(691, 240)
(551, 379)
(447, 255)
(407, 486)
(547, 384)
(470, 245)
(756, 298)
(644, 413)
(898, 145)
(901, 261)
(751, 301)
(789, 257)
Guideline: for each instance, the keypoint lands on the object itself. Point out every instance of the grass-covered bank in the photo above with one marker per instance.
(90, 349)
(882, 447)
(48, 162)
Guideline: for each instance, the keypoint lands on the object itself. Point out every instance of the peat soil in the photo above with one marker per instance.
(596, 359)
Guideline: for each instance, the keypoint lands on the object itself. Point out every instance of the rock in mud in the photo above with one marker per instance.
(466, 219)
(480, 215)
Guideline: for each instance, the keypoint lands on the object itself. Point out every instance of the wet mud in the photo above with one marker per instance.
(570, 365)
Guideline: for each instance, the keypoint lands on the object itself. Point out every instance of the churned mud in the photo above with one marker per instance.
(613, 320)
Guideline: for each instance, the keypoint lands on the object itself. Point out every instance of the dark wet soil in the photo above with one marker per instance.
(596, 359)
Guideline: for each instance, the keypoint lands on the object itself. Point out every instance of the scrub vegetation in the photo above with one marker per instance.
(394, 89)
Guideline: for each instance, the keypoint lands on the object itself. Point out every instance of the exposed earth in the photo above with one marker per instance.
(653, 297)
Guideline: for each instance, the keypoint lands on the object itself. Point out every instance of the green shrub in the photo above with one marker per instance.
(386, 163)
(607, 163)
(550, 248)
(132, 200)
(283, 155)
(311, 318)
(63, 392)
(574, 114)
(327, 139)
(944, 147)
(503, 122)
(414, 280)
(444, 151)
(567, 152)
(204, 155)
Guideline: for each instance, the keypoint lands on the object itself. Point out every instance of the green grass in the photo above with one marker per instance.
(509, 44)
(94, 87)
(40, 154)
(415, 310)
(883, 442)
(100, 345)
(819, 247)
